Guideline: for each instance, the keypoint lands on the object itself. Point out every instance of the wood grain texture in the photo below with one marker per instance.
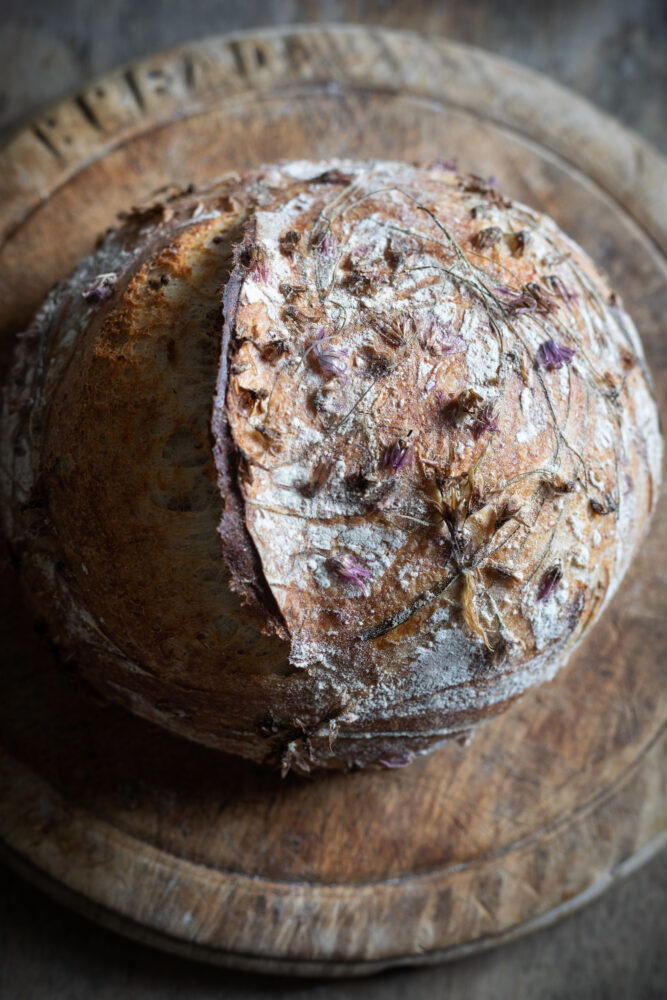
(352, 873)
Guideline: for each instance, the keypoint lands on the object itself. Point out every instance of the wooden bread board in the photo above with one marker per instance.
(208, 855)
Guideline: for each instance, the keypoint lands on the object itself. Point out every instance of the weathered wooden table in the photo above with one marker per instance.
(615, 945)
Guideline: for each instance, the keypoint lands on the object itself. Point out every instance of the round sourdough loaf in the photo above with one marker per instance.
(328, 462)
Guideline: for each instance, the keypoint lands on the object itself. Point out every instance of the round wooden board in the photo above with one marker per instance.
(207, 854)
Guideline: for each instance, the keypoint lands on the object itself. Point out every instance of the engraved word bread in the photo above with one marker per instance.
(327, 463)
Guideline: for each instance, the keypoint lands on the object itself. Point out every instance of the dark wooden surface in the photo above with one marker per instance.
(582, 957)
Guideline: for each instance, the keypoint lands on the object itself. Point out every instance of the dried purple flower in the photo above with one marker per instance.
(484, 239)
(327, 244)
(397, 760)
(549, 583)
(395, 329)
(484, 421)
(553, 356)
(351, 570)
(531, 298)
(521, 304)
(330, 359)
(101, 289)
(254, 259)
(438, 338)
(288, 243)
(260, 272)
(398, 455)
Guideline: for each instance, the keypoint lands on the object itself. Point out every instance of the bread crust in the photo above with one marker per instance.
(432, 453)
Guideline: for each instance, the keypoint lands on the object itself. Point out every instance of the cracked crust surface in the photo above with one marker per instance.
(434, 451)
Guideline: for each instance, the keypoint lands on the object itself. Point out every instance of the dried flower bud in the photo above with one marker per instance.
(557, 485)
(484, 422)
(395, 329)
(398, 455)
(288, 242)
(478, 500)
(553, 356)
(326, 243)
(519, 241)
(333, 176)
(253, 257)
(438, 338)
(487, 238)
(330, 359)
(549, 583)
(260, 272)
(453, 501)
(360, 282)
(101, 289)
(605, 506)
(478, 185)
(531, 298)
(350, 569)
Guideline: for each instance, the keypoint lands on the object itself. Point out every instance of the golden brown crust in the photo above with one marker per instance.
(435, 453)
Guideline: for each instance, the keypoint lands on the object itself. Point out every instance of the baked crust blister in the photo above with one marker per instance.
(435, 450)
